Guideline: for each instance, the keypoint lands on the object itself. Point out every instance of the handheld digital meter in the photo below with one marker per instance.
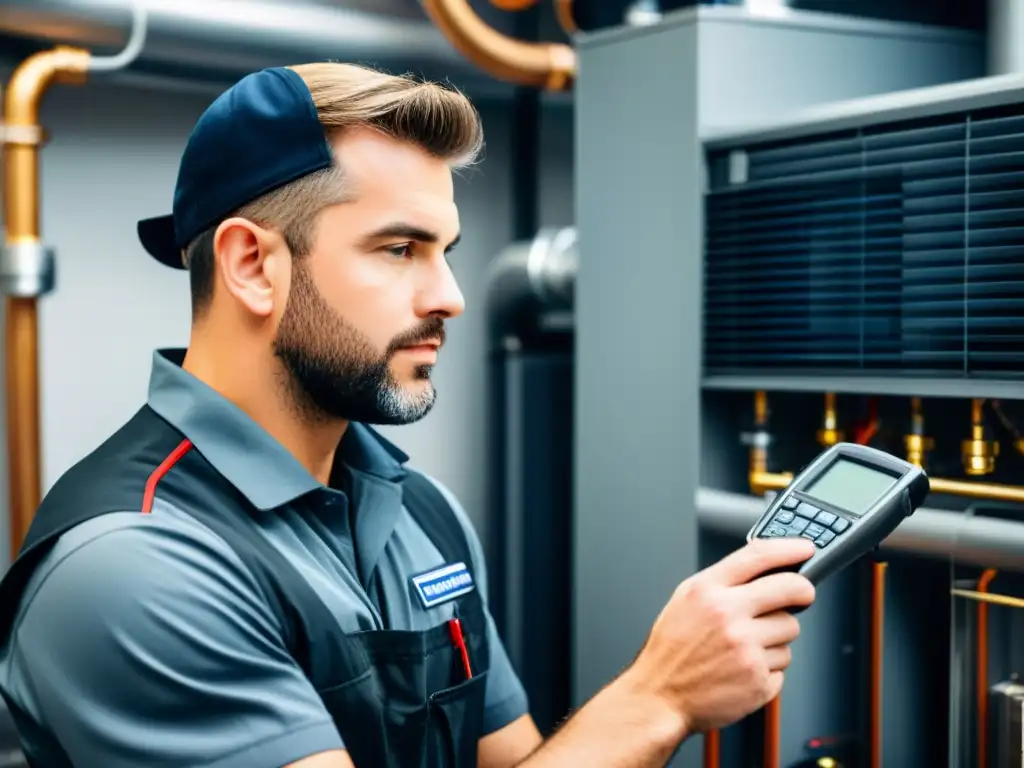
(847, 501)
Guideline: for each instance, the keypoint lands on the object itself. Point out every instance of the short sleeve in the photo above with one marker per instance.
(506, 699)
(144, 644)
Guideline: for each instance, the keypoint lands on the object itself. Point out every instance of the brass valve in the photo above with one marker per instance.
(830, 434)
(979, 453)
(916, 442)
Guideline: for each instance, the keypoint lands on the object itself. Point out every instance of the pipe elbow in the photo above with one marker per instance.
(35, 74)
(551, 66)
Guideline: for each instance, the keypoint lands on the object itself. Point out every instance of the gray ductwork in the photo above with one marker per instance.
(219, 41)
(531, 286)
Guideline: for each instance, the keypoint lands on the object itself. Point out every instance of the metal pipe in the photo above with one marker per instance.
(566, 17)
(981, 667)
(530, 281)
(551, 66)
(875, 720)
(21, 138)
(969, 539)
(216, 42)
(775, 481)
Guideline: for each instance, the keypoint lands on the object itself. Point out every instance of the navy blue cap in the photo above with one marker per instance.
(260, 134)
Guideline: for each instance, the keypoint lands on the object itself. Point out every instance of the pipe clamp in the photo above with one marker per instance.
(27, 269)
(22, 135)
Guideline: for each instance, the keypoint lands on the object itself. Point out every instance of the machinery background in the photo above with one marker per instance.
(763, 262)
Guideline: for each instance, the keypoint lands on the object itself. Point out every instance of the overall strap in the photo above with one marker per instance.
(432, 512)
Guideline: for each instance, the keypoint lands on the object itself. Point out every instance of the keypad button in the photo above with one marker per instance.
(807, 535)
(807, 510)
(784, 517)
(840, 525)
(798, 525)
(777, 530)
(790, 502)
(825, 538)
(825, 518)
(814, 530)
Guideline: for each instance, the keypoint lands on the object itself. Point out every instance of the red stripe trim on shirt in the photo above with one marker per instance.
(165, 466)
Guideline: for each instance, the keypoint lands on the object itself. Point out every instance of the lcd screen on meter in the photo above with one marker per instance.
(851, 485)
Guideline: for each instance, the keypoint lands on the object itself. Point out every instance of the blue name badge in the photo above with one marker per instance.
(443, 584)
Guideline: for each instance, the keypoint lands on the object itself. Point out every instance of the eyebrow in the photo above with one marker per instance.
(411, 232)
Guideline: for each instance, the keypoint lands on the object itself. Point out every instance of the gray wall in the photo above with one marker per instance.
(112, 159)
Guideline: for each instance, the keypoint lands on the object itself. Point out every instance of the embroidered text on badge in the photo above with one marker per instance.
(443, 584)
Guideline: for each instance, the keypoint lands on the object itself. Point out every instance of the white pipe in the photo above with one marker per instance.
(136, 42)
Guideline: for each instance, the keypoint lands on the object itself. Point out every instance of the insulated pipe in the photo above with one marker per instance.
(971, 540)
(551, 66)
(219, 41)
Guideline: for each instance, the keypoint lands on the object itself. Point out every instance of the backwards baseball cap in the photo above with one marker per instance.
(260, 134)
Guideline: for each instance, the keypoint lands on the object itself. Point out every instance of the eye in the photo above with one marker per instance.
(402, 251)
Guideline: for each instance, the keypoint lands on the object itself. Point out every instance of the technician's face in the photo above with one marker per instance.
(365, 316)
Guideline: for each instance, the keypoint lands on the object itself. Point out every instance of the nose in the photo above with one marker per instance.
(441, 295)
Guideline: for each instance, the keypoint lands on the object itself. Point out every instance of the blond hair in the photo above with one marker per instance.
(432, 116)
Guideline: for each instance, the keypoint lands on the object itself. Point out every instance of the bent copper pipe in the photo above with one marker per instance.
(551, 66)
(514, 5)
(21, 140)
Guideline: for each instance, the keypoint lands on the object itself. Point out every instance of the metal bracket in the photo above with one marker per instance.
(27, 269)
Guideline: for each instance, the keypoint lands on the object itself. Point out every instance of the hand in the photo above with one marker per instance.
(718, 649)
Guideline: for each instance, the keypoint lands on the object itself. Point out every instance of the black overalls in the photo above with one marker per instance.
(399, 698)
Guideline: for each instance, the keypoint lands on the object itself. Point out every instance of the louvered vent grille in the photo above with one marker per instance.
(895, 248)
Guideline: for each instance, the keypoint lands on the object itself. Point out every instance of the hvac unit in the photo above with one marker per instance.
(872, 252)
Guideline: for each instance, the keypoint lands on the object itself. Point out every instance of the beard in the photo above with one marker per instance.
(334, 372)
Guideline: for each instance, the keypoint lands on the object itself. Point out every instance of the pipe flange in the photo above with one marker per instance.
(27, 269)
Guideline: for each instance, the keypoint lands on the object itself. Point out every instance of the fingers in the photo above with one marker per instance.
(758, 557)
(777, 592)
(778, 658)
(779, 628)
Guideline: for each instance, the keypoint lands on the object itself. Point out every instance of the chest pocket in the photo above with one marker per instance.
(399, 698)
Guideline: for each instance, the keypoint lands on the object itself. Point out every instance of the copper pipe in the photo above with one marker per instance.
(981, 673)
(566, 18)
(772, 726)
(21, 220)
(514, 5)
(877, 662)
(712, 749)
(758, 467)
(775, 481)
(830, 434)
(551, 66)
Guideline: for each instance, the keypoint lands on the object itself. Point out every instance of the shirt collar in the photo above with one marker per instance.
(262, 469)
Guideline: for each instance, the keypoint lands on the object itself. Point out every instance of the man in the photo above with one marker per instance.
(246, 574)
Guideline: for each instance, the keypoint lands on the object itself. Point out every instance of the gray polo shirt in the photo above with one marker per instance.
(142, 639)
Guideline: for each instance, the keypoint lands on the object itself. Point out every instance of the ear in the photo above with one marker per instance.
(246, 257)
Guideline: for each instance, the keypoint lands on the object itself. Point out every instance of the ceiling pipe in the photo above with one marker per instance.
(550, 66)
(216, 42)
(26, 265)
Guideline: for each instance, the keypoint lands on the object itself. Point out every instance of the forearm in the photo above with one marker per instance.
(623, 726)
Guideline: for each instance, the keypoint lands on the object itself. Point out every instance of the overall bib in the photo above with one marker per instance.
(399, 698)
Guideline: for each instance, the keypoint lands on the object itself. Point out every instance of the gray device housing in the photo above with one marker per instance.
(866, 530)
